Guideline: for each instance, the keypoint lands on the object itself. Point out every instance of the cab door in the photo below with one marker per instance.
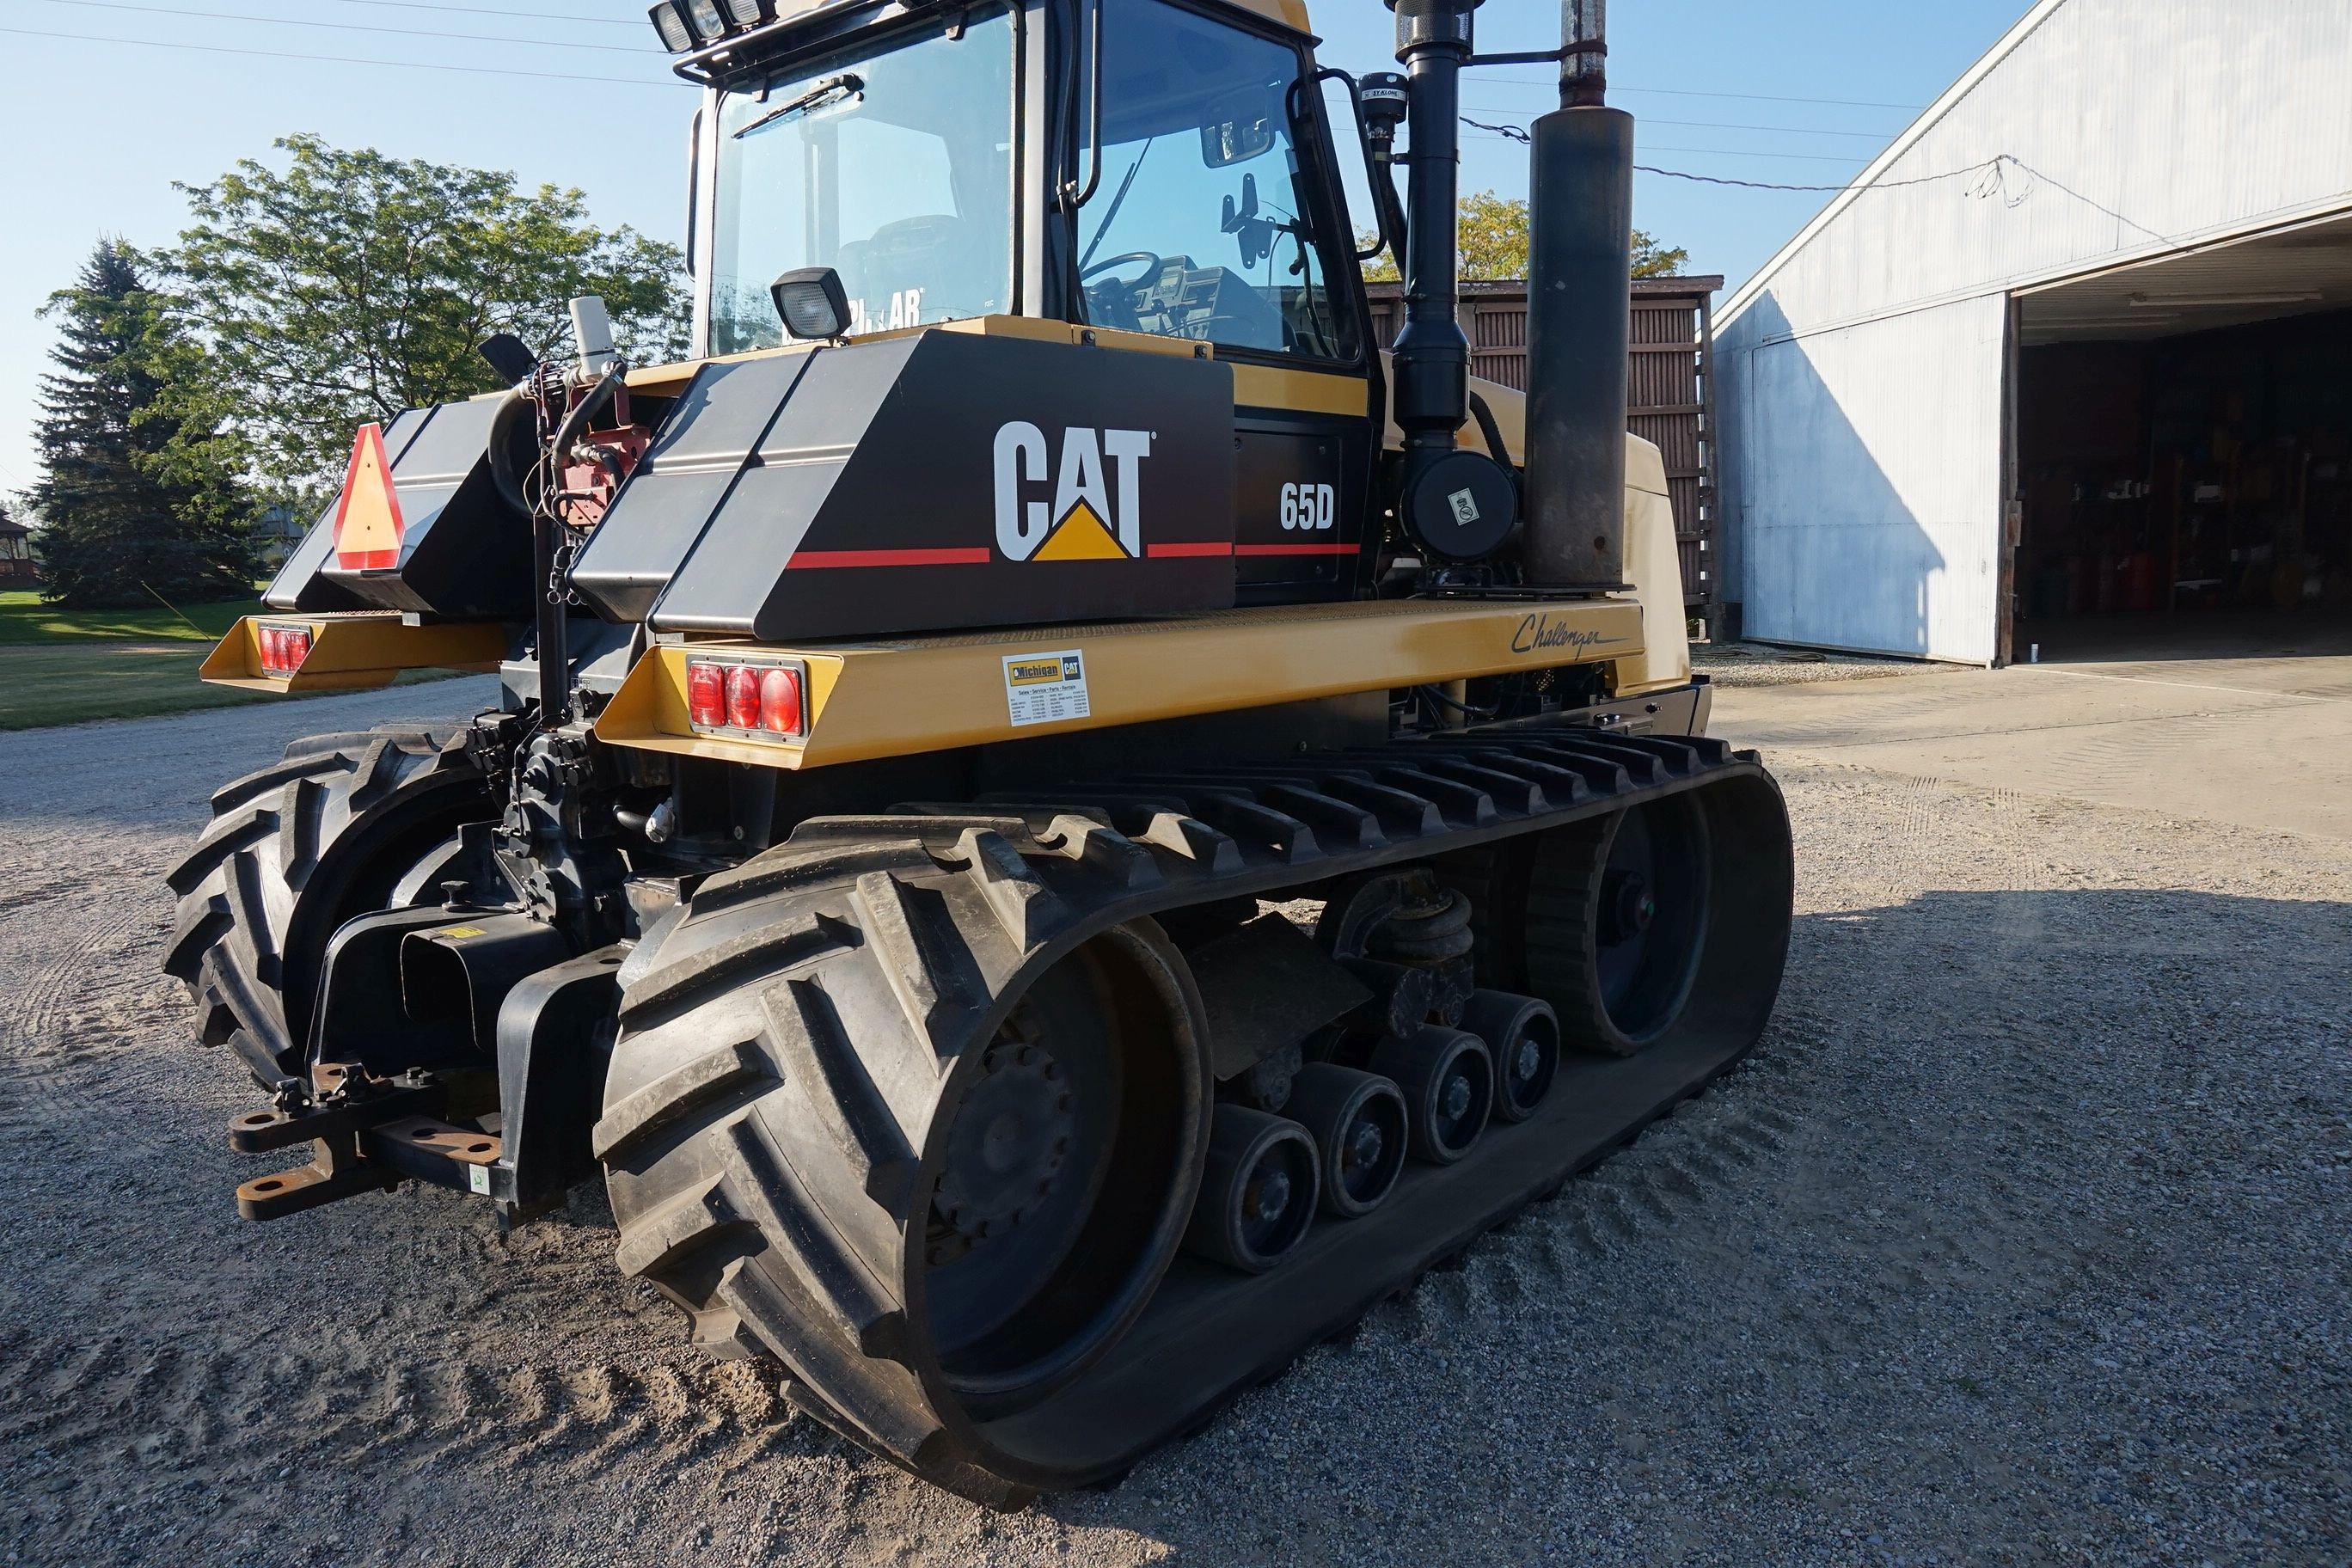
(1212, 214)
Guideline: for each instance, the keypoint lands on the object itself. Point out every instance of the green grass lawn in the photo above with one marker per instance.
(24, 619)
(66, 667)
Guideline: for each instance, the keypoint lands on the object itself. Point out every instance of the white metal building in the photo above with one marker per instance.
(2035, 321)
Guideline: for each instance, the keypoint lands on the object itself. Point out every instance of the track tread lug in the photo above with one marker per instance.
(930, 994)
(763, 1186)
(668, 1099)
(673, 985)
(847, 1101)
(1029, 911)
(807, 864)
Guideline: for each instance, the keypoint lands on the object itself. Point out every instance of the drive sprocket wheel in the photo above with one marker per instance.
(294, 851)
(825, 1142)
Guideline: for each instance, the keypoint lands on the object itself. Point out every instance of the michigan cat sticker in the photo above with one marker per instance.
(1045, 687)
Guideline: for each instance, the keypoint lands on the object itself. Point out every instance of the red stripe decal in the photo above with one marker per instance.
(1294, 549)
(1202, 547)
(813, 558)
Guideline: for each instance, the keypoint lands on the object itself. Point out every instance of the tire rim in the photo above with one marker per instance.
(1649, 916)
(1064, 1177)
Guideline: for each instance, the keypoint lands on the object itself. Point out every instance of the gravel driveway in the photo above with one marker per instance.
(2023, 1238)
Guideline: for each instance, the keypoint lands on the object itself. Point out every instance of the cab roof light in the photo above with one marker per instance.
(670, 22)
(706, 21)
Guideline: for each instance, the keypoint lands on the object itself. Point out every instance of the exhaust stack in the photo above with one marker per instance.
(1579, 299)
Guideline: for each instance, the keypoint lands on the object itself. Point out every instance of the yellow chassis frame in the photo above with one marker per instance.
(352, 651)
(925, 694)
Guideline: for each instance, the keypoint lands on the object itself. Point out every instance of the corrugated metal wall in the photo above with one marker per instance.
(2122, 130)
(1666, 388)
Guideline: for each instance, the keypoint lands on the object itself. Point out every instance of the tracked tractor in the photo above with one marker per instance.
(1060, 822)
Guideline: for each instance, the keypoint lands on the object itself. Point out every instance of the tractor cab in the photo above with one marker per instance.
(1164, 169)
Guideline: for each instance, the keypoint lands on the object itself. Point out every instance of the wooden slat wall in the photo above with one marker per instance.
(1668, 389)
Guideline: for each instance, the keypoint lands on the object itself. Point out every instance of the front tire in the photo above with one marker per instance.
(293, 851)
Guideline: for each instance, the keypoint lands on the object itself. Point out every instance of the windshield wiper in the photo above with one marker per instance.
(1117, 197)
(846, 85)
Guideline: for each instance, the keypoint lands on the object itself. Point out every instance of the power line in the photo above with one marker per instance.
(486, 11)
(356, 27)
(1693, 92)
(1644, 120)
(1990, 165)
(333, 59)
(1519, 135)
(1744, 153)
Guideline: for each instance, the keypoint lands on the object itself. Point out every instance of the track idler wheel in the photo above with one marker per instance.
(1357, 1121)
(1619, 916)
(1448, 1081)
(1523, 1036)
(1258, 1195)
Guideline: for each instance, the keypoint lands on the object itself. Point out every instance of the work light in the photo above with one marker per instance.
(670, 22)
(746, 13)
(811, 303)
(707, 23)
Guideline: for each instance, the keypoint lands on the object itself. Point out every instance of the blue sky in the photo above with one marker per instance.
(99, 132)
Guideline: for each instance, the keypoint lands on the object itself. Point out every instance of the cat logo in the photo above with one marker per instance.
(1096, 514)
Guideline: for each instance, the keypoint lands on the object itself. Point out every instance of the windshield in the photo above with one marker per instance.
(894, 169)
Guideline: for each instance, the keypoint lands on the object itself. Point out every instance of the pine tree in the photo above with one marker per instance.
(139, 490)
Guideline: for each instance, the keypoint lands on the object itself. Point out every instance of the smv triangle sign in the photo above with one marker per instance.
(368, 525)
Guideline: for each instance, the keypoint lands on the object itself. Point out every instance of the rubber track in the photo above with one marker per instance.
(788, 1044)
(292, 850)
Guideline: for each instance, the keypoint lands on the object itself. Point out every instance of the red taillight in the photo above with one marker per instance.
(780, 701)
(706, 694)
(283, 648)
(759, 699)
(743, 696)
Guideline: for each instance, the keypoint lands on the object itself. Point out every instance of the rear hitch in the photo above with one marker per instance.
(366, 1135)
(545, 1035)
(331, 1116)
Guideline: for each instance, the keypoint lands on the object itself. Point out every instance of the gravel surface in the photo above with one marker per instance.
(2021, 1238)
(1761, 664)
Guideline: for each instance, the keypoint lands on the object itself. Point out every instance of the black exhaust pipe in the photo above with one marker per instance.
(1580, 303)
(1432, 357)
(1459, 506)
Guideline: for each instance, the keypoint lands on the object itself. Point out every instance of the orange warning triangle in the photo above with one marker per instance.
(1081, 536)
(368, 525)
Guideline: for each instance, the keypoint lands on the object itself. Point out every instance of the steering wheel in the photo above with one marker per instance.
(1108, 262)
(1116, 302)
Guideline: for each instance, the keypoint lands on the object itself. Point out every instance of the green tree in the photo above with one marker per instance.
(139, 494)
(1651, 260)
(351, 286)
(1491, 235)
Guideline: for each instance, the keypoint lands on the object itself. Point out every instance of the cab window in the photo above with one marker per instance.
(1202, 224)
(892, 166)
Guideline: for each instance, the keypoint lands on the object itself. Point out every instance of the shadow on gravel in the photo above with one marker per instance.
(1961, 1260)
(2019, 1238)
